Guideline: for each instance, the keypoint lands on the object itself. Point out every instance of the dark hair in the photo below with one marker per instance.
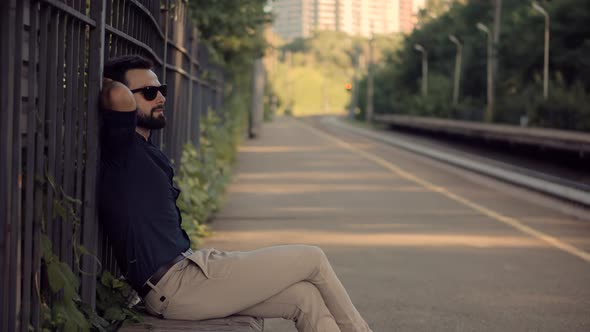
(116, 68)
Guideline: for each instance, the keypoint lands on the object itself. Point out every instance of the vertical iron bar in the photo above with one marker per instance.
(59, 131)
(7, 236)
(68, 165)
(41, 183)
(51, 86)
(96, 62)
(16, 190)
(28, 286)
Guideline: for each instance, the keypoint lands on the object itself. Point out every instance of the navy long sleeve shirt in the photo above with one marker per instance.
(137, 199)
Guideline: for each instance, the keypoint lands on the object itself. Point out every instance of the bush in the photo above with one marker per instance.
(566, 108)
(205, 172)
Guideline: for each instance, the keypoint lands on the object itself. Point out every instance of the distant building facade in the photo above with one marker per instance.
(298, 18)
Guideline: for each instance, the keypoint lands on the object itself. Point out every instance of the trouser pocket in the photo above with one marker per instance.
(214, 263)
(156, 302)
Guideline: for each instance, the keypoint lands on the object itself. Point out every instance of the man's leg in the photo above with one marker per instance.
(301, 303)
(235, 281)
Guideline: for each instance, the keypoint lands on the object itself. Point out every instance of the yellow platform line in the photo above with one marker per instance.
(512, 222)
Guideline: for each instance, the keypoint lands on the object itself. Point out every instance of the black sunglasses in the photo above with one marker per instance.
(150, 92)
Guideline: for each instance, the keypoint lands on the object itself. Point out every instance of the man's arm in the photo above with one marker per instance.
(116, 96)
(118, 117)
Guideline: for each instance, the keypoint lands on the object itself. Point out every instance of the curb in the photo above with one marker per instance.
(519, 176)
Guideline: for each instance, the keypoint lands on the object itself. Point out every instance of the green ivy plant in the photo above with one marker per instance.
(203, 176)
(64, 315)
(68, 312)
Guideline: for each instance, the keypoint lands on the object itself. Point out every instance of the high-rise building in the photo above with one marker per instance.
(407, 14)
(298, 18)
(293, 18)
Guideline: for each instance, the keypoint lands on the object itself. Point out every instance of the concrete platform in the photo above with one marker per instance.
(229, 324)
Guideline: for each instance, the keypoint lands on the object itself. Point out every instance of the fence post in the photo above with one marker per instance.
(90, 227)
(257, 105)
(8, 220)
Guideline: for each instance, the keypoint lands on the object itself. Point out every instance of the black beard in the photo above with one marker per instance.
(151, 121)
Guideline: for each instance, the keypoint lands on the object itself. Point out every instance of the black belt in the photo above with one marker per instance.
(157, 276)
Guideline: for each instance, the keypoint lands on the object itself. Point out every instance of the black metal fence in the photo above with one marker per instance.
(52, 55)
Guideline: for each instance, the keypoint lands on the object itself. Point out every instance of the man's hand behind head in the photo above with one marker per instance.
(116, 96)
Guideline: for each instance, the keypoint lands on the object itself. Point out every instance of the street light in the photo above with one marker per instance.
(424, 52)
(542, 10)
(457, 79)
(490, 94)
(370, 80)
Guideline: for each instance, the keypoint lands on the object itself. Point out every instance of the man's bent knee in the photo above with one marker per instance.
(315, 253)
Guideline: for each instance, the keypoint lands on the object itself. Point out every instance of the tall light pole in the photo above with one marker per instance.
(370, 80)
(490, 80)
(360, 59)
(458, 57)
(424, 52)
(542, 10)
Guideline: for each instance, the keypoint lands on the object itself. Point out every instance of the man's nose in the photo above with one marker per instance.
(161, 97)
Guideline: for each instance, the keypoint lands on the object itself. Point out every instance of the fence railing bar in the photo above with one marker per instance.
(80, 126)
(149, 15)
(67, 243)
(173, 131)
(70, 11)
(117, 25)
(185, 52)
(95, 65)
(59, 131)
(109, 13)
(125, 27)
(51, 86)
(28, 303)
(186, 74)
(130, 39)
(16, 161)
(4, 234)
(7, 115)
(40, 158)
(190, 89)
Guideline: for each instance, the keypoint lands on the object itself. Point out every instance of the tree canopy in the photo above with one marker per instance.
(232, 29)
(520, 56)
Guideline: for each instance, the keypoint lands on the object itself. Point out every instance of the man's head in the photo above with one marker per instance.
(136, 73)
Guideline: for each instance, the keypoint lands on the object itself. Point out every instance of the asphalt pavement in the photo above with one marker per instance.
(419, 245)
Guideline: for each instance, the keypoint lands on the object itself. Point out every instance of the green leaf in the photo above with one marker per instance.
(114, 313)
(95, 320)
(106, 279)
(46, 248)
(58, 209)
(55, 277)
(118, 284)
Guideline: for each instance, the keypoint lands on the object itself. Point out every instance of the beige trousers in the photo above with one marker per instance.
(294, 282)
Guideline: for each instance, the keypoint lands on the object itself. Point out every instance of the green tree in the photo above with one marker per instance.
(520, 51)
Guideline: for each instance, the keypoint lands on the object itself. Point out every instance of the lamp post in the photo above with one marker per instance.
(457, 77)
(370, 81)
(542, 10)
(424, 52)
(490, 79)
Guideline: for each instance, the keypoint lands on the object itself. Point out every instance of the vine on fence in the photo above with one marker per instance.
(68, 312)
(63, 283)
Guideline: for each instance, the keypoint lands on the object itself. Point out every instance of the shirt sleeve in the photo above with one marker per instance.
(118, 130)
